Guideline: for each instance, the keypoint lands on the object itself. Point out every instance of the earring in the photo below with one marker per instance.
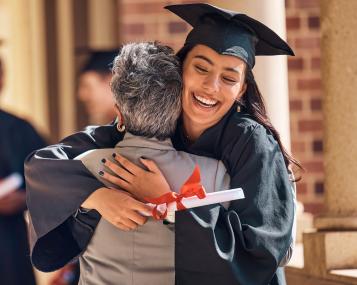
(120, 124)
(121, 128)
(239, 108)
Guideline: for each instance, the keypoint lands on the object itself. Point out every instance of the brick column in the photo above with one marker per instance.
(334, 244)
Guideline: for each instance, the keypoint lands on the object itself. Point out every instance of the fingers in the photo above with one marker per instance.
(141, 207)
(138, 219)
(120, 209)
(131, 222)
(131, 167)
(122, 226)
(150, 165)
(115, 180)
(118, 170)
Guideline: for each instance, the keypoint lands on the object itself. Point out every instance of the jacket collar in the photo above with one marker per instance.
(131, 140)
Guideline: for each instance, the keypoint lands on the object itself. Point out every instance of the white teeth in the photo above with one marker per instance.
(205, 100)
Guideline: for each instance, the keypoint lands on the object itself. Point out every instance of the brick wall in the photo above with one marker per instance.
(145, 20)
(303, 32)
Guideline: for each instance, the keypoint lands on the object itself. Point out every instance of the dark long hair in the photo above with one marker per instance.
(252, 102)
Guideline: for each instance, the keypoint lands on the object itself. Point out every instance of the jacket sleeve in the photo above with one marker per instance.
(56, 187)
(246, 243)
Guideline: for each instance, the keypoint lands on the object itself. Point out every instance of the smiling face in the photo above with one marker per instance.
(212, 83)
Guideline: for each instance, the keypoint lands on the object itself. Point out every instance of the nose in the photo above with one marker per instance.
(211, 83)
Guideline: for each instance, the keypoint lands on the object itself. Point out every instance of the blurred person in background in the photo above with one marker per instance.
(17, 139)
(94, 89)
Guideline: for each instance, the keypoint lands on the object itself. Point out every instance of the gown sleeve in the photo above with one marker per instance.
(56, 187)
(246, 243)
(27, 140)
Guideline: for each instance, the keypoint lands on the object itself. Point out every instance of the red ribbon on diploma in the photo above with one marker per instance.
(192, 187)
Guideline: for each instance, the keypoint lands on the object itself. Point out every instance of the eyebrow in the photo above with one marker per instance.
(211, 62)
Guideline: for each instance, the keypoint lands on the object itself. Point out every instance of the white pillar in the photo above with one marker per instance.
(22, 29)
(103, 24)
(66, 73)
(270, 71)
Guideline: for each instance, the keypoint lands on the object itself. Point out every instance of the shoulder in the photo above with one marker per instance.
(13, 122)
(204, 162)
(95, 154)
(242, 120)
(103, 136)
(243, 129)
(245, 139)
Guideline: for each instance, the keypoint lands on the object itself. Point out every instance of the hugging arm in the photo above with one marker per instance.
(56, 187)
(247, 242)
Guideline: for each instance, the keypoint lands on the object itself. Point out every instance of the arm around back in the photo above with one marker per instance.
(56, 187)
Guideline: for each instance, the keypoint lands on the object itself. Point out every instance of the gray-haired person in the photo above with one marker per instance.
(147, 86)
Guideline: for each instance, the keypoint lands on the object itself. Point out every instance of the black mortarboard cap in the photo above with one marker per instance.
(100, 61)
(228, 32)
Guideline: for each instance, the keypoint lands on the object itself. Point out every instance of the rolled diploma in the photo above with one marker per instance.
(10, 184)
(192, 202)
(211, 198)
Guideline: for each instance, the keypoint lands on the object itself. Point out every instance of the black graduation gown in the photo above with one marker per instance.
(243, 245)
(246, 243)
(17, 139)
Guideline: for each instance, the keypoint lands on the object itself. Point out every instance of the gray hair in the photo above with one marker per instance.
(147, 86)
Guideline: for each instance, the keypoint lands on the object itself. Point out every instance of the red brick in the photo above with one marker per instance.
(133, 29)
(177, 27)
(142, 8)
(292, 23)
(307, 3)
(314, 208)
(313, 166)
(310, 125)
(313, 22)
(315, 63)
(309, 144)
(295, 63)
(295, 105)
(309, 84)
(297, 146)
(301, 188)
(315, 104)
(308, 42)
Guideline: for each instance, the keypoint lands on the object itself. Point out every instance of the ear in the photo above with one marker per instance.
(117, 111)
(242, 91)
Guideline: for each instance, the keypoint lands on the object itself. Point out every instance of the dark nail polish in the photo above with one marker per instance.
(114, 155)
(104, 160)
(143, 157)
(101, 173)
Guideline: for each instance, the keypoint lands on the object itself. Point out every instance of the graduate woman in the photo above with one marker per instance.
(223, 117)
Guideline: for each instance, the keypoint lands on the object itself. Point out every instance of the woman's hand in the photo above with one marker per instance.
(118, 207)
(141, 183)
